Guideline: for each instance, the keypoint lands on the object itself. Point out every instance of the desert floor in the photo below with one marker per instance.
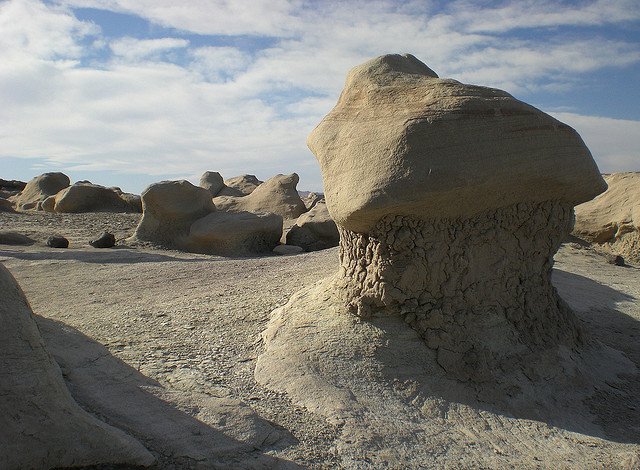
(163, 344)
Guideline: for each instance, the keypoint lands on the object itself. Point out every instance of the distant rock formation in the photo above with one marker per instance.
(40, 188)
(239, 186)
(179, 215)
(612, 219)
(212, 181)
(43, 427)
(278, 195)
(87, 197)
(314, 230)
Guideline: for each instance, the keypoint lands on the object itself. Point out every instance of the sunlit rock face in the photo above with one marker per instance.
(451, 201)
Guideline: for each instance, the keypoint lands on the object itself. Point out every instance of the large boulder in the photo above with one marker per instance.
(235, 233)
(612, 219)
(451, 200)
(239, 186)
(88, 198)
(314, 230)
(40, 188)
(212, 181)
(42, 426)
(168, 210)
(277, 195)
(402, 141)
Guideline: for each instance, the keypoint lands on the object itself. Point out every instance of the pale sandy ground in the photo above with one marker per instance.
(163, 344)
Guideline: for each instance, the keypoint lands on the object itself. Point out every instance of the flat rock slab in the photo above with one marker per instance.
(398, 409)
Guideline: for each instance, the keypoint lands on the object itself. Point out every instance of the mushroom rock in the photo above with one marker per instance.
(40, 188)
(612, 219)
(43, 427)
(235, 233)
(88, 197)
(314, 230)
(277, 195)
(239, 186)
(451, 201)
(212, 181)
(168, 210)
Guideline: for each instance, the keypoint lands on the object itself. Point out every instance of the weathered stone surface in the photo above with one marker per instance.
(104, 240)
(235, 233)
(212, 181)
(314, 230)
(402, 141)
(14, 238)
(40, 188)
(168, 210)
(42, 425)
(286, 250)
(312, 199)
(57, 242)
(87, 197)
(6, 205)
(133, 202)
(278, 195)
(49, 204)
(613, 218)
(239, 186)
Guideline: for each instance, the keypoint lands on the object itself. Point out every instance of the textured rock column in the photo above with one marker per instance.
(451, 200)
(477, 290)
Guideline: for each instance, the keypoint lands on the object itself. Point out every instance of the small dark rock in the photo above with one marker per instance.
(615, 259)
(57, 242)
(105, 240)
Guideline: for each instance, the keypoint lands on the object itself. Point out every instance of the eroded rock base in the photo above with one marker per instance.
(477, 290)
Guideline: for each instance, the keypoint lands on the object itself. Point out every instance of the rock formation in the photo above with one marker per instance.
(464, 195)
(239, 186)
(168, 210)
(612, 220)
(87, 197)
(314, 230)
(212, 181)
(6, 205)
(278, 195)
(104, 240)
(40, 188)
(42, 426)
(451, 201)
(235, 233)
(179, 215)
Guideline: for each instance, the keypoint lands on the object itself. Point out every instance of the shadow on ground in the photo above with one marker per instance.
(222, 433)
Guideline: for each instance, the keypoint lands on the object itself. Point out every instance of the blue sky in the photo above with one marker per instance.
(129, 92)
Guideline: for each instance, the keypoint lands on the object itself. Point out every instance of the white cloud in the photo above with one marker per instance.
(166, 107)
(135, 49)
(614, 143)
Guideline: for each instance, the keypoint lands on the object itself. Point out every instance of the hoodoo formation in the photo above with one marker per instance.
(451, 201)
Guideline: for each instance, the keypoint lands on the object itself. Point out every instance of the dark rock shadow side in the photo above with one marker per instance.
(123, 397)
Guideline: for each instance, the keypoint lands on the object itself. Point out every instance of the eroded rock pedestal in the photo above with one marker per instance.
(477, 290)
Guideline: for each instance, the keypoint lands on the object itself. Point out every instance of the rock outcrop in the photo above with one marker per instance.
(235, 233)
(42, 425)
(87, 197)
(6, 205)
(278, 195)
(212, 181)
(314, 230)
(169, 208)
(179, 215)
(239, 186)
(464, 195)
(612, 219)
(40, 188)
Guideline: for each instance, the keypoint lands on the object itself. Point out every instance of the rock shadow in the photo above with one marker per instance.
(217, 431)
(103, 256)
(585, 394)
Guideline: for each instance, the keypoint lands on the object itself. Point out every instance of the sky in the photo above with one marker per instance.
(129, 92)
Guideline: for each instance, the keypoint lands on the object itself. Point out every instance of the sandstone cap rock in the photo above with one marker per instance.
(402, 141)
